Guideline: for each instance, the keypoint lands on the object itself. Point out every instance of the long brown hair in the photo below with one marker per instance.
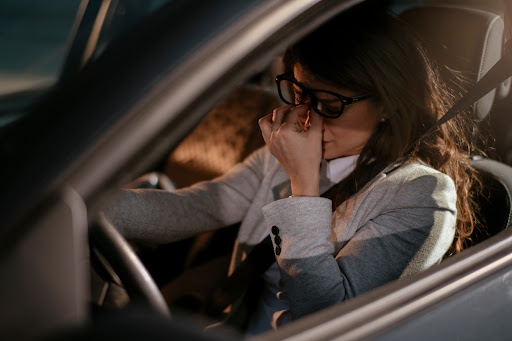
(374, 53)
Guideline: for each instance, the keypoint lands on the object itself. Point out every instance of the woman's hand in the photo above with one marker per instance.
(295, 139)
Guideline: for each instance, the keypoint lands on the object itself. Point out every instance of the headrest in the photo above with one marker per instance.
(463, 39)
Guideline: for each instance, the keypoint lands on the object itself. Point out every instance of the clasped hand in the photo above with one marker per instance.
(294, 136)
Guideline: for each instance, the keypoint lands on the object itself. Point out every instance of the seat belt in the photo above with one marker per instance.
(262, 256)
(491, 80)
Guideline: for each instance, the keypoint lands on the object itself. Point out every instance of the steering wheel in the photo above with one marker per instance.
(136, 279)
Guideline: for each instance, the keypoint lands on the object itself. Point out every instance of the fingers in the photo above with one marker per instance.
(293, 119)
(286, 118)
(315, 123)
(279, 115)
(266, 127)
(302, 117)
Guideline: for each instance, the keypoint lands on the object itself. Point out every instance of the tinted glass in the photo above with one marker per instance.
(41, 39)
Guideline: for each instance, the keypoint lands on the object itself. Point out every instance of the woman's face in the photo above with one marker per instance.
(349, 133)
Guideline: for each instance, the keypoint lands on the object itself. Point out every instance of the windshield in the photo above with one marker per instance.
(44, 41)
(34, 39)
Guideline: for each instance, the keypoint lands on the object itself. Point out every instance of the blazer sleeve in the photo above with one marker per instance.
(158, 216)
(314, 277)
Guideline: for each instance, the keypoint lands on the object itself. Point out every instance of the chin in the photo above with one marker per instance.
(331, 156)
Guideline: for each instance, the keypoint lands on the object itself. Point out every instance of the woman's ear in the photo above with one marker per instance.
(383, 115)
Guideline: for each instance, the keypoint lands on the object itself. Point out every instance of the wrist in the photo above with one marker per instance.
(307, 189)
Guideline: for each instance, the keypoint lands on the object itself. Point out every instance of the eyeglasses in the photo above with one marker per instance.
(326, 103)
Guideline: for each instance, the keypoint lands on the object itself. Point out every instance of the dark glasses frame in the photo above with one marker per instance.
(288, 76)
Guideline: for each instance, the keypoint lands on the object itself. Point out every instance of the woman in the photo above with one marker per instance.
(360, 93)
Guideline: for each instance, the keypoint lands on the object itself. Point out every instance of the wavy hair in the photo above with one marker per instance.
(375, 53)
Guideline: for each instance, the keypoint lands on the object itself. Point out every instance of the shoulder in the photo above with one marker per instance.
(417, 173)
(411, 170)
(407, 185)
(416, 182)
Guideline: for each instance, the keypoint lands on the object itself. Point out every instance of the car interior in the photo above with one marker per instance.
(473, 57)
(229, 133)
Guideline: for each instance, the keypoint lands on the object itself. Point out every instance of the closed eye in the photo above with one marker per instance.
(330, 107)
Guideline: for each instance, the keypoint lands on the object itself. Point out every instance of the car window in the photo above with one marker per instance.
(44, 40)
(120, 16)
(33, 39)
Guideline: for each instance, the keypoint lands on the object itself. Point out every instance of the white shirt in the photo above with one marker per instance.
(273, 307)
(332, 172)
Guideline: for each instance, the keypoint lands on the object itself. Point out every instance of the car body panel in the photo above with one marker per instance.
(45, 276)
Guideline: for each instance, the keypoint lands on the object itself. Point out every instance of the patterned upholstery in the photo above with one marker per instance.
(226, 136)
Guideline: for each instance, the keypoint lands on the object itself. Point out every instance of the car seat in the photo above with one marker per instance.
(470, 41)
(225, 137)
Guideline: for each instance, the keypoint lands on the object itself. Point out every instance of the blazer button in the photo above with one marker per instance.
(278, 250)
(277, 240)
(275, 230)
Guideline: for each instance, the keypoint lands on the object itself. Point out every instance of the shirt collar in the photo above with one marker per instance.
(333, 171)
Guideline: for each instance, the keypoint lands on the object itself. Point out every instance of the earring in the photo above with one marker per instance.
(382, 119)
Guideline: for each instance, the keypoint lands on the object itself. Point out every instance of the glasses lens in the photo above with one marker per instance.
(328, 104)
(291, 92)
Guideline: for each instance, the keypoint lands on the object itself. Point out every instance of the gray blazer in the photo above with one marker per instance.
(401, 222)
